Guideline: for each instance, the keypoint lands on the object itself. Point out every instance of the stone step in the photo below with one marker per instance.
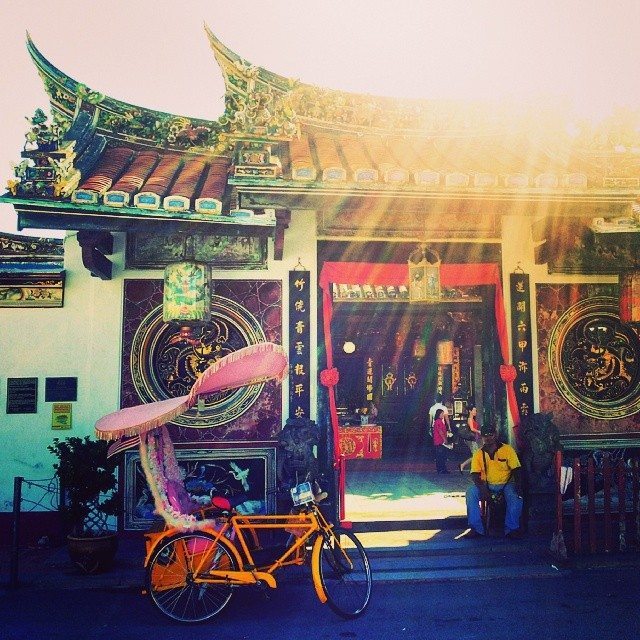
(416, 555)
(421, 574)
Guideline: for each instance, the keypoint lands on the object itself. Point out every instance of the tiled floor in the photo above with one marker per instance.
(403, 489)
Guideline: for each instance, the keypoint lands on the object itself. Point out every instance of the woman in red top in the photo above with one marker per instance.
(440, 441)
(474, 427)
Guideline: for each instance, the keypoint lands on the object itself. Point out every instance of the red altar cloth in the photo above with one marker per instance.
(361, 442)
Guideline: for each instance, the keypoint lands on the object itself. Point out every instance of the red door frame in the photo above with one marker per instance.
(451, 275)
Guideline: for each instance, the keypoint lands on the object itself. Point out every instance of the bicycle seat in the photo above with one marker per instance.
(221, 503)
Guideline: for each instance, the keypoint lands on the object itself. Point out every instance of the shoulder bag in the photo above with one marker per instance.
(464, 432)
(497, 497)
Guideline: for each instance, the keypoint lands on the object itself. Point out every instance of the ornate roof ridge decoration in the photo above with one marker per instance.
(119, 120)
(343, 138)
(257, 102)
(335, 111)
(263, 105)
(318, 108)
(340, 111)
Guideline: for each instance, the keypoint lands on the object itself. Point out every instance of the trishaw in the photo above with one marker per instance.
(196, 556)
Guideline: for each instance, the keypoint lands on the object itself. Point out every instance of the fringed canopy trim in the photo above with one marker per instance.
(254, 364)
(133, 421)
(159, 463)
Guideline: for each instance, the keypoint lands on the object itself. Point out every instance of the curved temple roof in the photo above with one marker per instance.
(121, 119)
(367, 144)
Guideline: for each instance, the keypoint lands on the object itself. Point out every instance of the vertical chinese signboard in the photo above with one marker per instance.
(299, 337)
(521, 340)
(368, 376)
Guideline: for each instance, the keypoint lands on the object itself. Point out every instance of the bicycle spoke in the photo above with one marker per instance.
(173, 573)
(345, 574)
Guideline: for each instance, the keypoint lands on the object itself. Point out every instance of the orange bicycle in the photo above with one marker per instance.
(196, 557)
(191, 575)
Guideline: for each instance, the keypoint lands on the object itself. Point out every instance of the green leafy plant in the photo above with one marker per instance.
(87, 482)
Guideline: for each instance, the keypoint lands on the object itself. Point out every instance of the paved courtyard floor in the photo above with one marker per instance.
(397, 489)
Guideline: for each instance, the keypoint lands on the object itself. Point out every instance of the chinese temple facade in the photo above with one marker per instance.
(397, 249)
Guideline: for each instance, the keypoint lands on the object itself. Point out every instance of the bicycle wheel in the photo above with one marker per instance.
(346, 580)
(172, 577)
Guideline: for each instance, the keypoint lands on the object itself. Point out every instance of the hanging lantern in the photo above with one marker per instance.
(424, 275)
(630, 297)
(419, 348)
(187, 296)
(444, 352)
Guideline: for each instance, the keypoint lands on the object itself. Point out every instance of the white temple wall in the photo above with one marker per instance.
(83, 339)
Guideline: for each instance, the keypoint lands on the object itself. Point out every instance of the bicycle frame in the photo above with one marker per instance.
(233, 534)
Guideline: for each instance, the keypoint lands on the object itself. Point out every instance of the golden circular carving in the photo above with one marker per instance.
(594, 360)
(165, 365)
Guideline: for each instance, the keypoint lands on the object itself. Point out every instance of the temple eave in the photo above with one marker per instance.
(47, 214)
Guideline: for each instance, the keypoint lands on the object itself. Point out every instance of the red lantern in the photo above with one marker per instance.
(630, 297)
(508, 373)
(329, 377)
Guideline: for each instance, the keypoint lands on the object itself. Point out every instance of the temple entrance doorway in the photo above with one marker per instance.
(397, 350)
(393, 358)
(393, 362)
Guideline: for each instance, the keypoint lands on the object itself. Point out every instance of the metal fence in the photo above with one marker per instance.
(41, 495)
(597, 502)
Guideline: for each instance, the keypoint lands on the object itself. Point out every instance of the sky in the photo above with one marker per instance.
(583, 54)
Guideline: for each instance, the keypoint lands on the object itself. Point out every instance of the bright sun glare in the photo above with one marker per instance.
(577, 55)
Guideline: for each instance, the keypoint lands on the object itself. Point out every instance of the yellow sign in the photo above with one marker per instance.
(61, 415)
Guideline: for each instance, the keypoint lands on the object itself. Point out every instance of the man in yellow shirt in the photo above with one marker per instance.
(495, 467)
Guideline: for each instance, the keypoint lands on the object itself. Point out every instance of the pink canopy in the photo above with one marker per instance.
(251, 365)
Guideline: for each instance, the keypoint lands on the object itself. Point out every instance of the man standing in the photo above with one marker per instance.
(495, 468)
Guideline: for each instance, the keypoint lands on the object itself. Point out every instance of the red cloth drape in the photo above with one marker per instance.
(451, 275)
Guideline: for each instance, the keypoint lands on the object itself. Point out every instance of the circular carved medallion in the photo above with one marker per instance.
(165, 365)
(594, 360)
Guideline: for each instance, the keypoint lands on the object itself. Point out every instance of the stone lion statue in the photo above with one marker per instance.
(540, 441)
(296, 460)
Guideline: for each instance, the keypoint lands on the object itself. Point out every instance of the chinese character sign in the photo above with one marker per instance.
(299, 343)
(521, 342)
(368, 377)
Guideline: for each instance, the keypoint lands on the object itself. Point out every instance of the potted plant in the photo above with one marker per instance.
(88, 498)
